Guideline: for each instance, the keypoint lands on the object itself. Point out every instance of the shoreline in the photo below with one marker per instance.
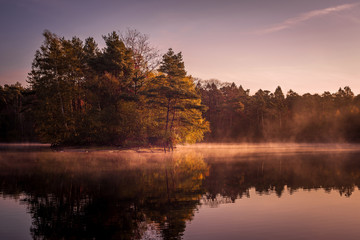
(241, 148)
(48, 147)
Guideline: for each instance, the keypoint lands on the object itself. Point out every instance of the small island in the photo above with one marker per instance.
(128, 95)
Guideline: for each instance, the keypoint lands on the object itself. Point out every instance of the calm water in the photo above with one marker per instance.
(256, 191)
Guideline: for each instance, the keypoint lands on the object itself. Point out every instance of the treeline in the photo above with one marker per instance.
(16, 115)
(120, 95)
(235, 115)
(126, 94)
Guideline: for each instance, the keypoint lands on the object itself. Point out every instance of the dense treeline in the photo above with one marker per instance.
(84, 95)
(125, 94)
(235, 115)
(16, 116)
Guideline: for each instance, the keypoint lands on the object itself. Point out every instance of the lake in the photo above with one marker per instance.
(202, 191)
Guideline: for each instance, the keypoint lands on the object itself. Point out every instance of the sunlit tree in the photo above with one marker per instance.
(177, 102)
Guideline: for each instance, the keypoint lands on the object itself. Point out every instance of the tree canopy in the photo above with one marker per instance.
(113, 96)
(235, 115)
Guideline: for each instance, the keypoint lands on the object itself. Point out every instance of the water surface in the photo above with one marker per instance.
(255, 191)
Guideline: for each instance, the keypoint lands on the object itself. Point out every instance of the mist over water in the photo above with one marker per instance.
(231, 149)
(202, 191)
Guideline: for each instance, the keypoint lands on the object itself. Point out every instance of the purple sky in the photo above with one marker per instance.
(305, 45)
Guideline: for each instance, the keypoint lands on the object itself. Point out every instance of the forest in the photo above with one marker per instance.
(237, 116)
(127, 94)
(123, 95)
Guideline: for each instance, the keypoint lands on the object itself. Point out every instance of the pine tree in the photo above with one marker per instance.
(49, 79)
(177, 102)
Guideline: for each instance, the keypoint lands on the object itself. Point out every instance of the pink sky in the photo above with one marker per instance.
(308, 45)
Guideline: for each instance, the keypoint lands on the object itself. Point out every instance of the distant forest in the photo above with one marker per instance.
(237, 116)
(127, 94)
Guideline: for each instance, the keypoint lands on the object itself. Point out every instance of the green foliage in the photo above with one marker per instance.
(234, 115)
(89, 96)
(179, 116)
(57, 77)
(172, 64)
(16, 113)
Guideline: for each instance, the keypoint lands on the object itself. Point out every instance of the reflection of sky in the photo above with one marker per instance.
(301, 215)
(15, 222)
(307, 45)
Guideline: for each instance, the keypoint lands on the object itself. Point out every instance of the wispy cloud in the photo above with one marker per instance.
(290, 22)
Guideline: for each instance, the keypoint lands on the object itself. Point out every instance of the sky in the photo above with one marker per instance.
(304, 45)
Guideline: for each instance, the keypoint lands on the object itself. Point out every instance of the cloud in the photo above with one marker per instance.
(290, 22)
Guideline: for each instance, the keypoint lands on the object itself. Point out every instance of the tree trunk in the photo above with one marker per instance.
(167, 117)
(60, 97)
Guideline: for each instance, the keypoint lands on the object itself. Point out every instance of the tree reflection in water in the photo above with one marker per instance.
(81, 196)
(139, 196)
(269, 173)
